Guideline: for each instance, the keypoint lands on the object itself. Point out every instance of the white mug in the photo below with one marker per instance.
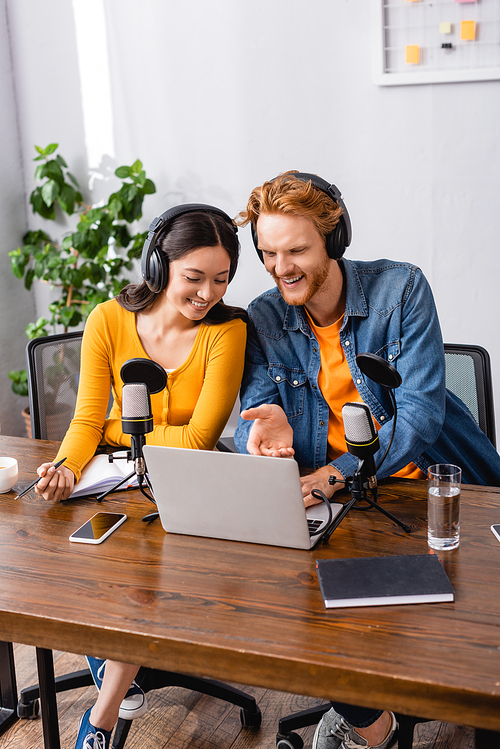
(8, 474)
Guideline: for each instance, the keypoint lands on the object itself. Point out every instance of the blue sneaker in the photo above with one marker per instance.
(134, 704)
(90, 737)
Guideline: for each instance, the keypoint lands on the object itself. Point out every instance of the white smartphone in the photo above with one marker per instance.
(496, 531)
(99, 527)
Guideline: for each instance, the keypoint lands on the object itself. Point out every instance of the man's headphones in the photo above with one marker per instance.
(340, 238)
(154, 262)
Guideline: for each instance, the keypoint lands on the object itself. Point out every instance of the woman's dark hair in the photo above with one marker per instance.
(184, 234)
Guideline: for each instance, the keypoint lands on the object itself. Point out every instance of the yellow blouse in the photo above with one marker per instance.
(192, 410)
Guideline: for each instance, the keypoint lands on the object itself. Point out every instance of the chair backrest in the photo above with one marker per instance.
(468, 376)
(53, 365)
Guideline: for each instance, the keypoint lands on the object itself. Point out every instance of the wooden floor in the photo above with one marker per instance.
(178, 719)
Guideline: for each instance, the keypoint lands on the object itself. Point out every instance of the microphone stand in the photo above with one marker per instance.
(358, 486)
(140, 475)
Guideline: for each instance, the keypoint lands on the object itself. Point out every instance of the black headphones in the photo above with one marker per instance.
(340, 238)
(154, 262)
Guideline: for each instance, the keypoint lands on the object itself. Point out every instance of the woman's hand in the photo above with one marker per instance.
(319, 480)
(271, 434)
(55, 484)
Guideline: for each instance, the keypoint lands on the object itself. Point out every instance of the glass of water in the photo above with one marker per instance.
(443, 506)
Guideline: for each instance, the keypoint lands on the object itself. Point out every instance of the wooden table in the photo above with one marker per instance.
(254, 614)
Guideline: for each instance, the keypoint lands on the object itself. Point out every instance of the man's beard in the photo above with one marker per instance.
(315, 281)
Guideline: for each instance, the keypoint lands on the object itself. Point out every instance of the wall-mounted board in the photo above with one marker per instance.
(436, 41)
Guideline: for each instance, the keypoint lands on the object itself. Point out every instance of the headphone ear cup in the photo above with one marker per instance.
(255, 239)
(157, 271)
(335, 242)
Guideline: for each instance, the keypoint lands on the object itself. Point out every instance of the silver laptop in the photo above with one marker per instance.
(232, 496)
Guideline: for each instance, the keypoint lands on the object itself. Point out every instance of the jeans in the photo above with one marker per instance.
(359, 717)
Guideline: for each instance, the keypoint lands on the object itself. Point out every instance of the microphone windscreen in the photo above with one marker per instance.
(136, 403)
(144, 370)
(358, 423)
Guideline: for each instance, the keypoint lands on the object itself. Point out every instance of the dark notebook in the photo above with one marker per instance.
(382, 581)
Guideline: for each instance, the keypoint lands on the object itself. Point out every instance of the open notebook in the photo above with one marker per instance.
(232, 496)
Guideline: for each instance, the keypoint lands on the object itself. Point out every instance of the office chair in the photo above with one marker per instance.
(53, 365)
(468, 376)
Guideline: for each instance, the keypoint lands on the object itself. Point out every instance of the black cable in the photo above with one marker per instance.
(395, 411)
(148, 496)
(318, 494)
(153, 515)
(140, 480)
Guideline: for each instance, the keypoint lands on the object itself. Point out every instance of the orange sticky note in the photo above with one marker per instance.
(412, 54)
(468, 30)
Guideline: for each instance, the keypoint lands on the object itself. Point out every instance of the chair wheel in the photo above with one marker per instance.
(29, 710)
(250, 720)
(289, 741)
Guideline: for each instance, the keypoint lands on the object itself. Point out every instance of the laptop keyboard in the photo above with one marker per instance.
(313, 526)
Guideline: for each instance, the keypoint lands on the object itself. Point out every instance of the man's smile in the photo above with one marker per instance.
(291, 281)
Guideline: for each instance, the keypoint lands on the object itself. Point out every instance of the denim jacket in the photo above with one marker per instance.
(389, 311)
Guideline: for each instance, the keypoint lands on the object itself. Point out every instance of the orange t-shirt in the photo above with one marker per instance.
(338, 388)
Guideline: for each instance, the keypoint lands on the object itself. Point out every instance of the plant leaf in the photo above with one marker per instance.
(53, 170)
(74, 181)
(123, 172)
(28, 281)
(66, 199)
(50, 191)
(40, 207)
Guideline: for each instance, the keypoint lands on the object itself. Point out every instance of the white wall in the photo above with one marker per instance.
(16, 305)
(216, 97)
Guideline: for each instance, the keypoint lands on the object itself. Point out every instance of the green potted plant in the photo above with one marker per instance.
(87, 265)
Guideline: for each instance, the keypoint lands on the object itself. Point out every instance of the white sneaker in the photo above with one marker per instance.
(134, 704)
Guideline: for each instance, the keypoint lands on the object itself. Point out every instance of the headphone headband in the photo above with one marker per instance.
(340, 238)
(154, 262)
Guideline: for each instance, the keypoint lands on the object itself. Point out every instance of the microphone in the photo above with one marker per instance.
(141, 377)
(361, 438)
(137, 420)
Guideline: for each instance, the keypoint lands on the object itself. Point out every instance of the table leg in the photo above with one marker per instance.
(8, 687)
(48, 702)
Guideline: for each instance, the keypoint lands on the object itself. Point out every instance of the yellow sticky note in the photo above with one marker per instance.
(412, 54)
(468, 30)
(445, 27)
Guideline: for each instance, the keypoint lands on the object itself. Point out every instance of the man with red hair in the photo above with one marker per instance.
(301, 368)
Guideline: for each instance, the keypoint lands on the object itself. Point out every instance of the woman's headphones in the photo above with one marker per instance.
(154, 262)
(340, 238)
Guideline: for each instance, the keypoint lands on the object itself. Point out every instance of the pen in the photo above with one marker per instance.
(25, 491)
